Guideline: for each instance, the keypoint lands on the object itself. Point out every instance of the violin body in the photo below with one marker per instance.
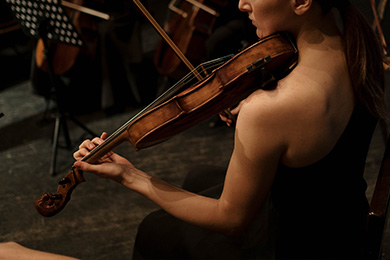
(225, 87)
(268, 60)
(189, 28)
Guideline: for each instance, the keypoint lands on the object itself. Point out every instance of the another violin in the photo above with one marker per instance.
(64, 56)
(187, 104)
(189, 26)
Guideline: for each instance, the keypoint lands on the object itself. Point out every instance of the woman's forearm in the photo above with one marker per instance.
(190, 207)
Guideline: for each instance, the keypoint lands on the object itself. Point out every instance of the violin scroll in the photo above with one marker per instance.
(50, 204)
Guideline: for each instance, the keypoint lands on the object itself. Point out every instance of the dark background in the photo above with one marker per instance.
(101, 219)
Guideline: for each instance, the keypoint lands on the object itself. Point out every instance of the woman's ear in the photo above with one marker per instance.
(302, 6)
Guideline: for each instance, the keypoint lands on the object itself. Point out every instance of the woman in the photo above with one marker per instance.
(302, 143)
(299, 150)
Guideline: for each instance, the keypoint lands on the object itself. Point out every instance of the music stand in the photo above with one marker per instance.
(46, 20)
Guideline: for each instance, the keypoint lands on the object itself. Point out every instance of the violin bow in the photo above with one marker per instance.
(174, 47)
(377, 22)
(86, 10)
(168, 40)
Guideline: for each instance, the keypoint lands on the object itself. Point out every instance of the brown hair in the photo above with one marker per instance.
(364, 56)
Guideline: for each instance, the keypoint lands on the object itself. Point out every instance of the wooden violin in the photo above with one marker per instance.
(63, 56)
(209, 89)
(189, 26)
(270, 58)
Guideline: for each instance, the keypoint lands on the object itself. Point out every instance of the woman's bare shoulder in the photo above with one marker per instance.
(303, 115)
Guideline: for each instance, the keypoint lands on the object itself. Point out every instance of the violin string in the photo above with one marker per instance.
(183, 82)
(206, 66)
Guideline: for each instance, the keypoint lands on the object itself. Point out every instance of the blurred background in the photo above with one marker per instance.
(122, 66)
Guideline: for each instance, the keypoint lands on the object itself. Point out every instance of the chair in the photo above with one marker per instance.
(378, 213)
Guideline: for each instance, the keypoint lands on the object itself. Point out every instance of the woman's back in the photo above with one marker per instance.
(322, 207)
(324, 131)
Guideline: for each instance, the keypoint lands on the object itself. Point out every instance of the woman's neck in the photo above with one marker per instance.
(319, 33)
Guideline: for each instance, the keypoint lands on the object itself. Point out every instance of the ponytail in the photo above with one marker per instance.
(365, 60)
(364, 56)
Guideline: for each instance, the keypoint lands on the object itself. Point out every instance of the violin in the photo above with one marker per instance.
(64, 56)
(189, 26)
(377, 19)
(188, 103)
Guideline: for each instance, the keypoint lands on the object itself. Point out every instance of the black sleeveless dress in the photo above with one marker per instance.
(322, 208)
(317, 211)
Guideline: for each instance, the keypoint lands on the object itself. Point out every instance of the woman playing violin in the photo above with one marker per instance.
(296, 171)
(301, 144)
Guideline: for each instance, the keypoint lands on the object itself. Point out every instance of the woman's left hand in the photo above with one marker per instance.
(111, 165)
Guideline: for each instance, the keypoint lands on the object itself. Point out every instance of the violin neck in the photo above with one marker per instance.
(120, 135)
(110, 143)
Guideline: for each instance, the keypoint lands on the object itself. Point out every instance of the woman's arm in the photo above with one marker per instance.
(14, 251)
(249, 177)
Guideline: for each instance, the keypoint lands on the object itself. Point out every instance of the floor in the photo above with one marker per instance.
(101, 219)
